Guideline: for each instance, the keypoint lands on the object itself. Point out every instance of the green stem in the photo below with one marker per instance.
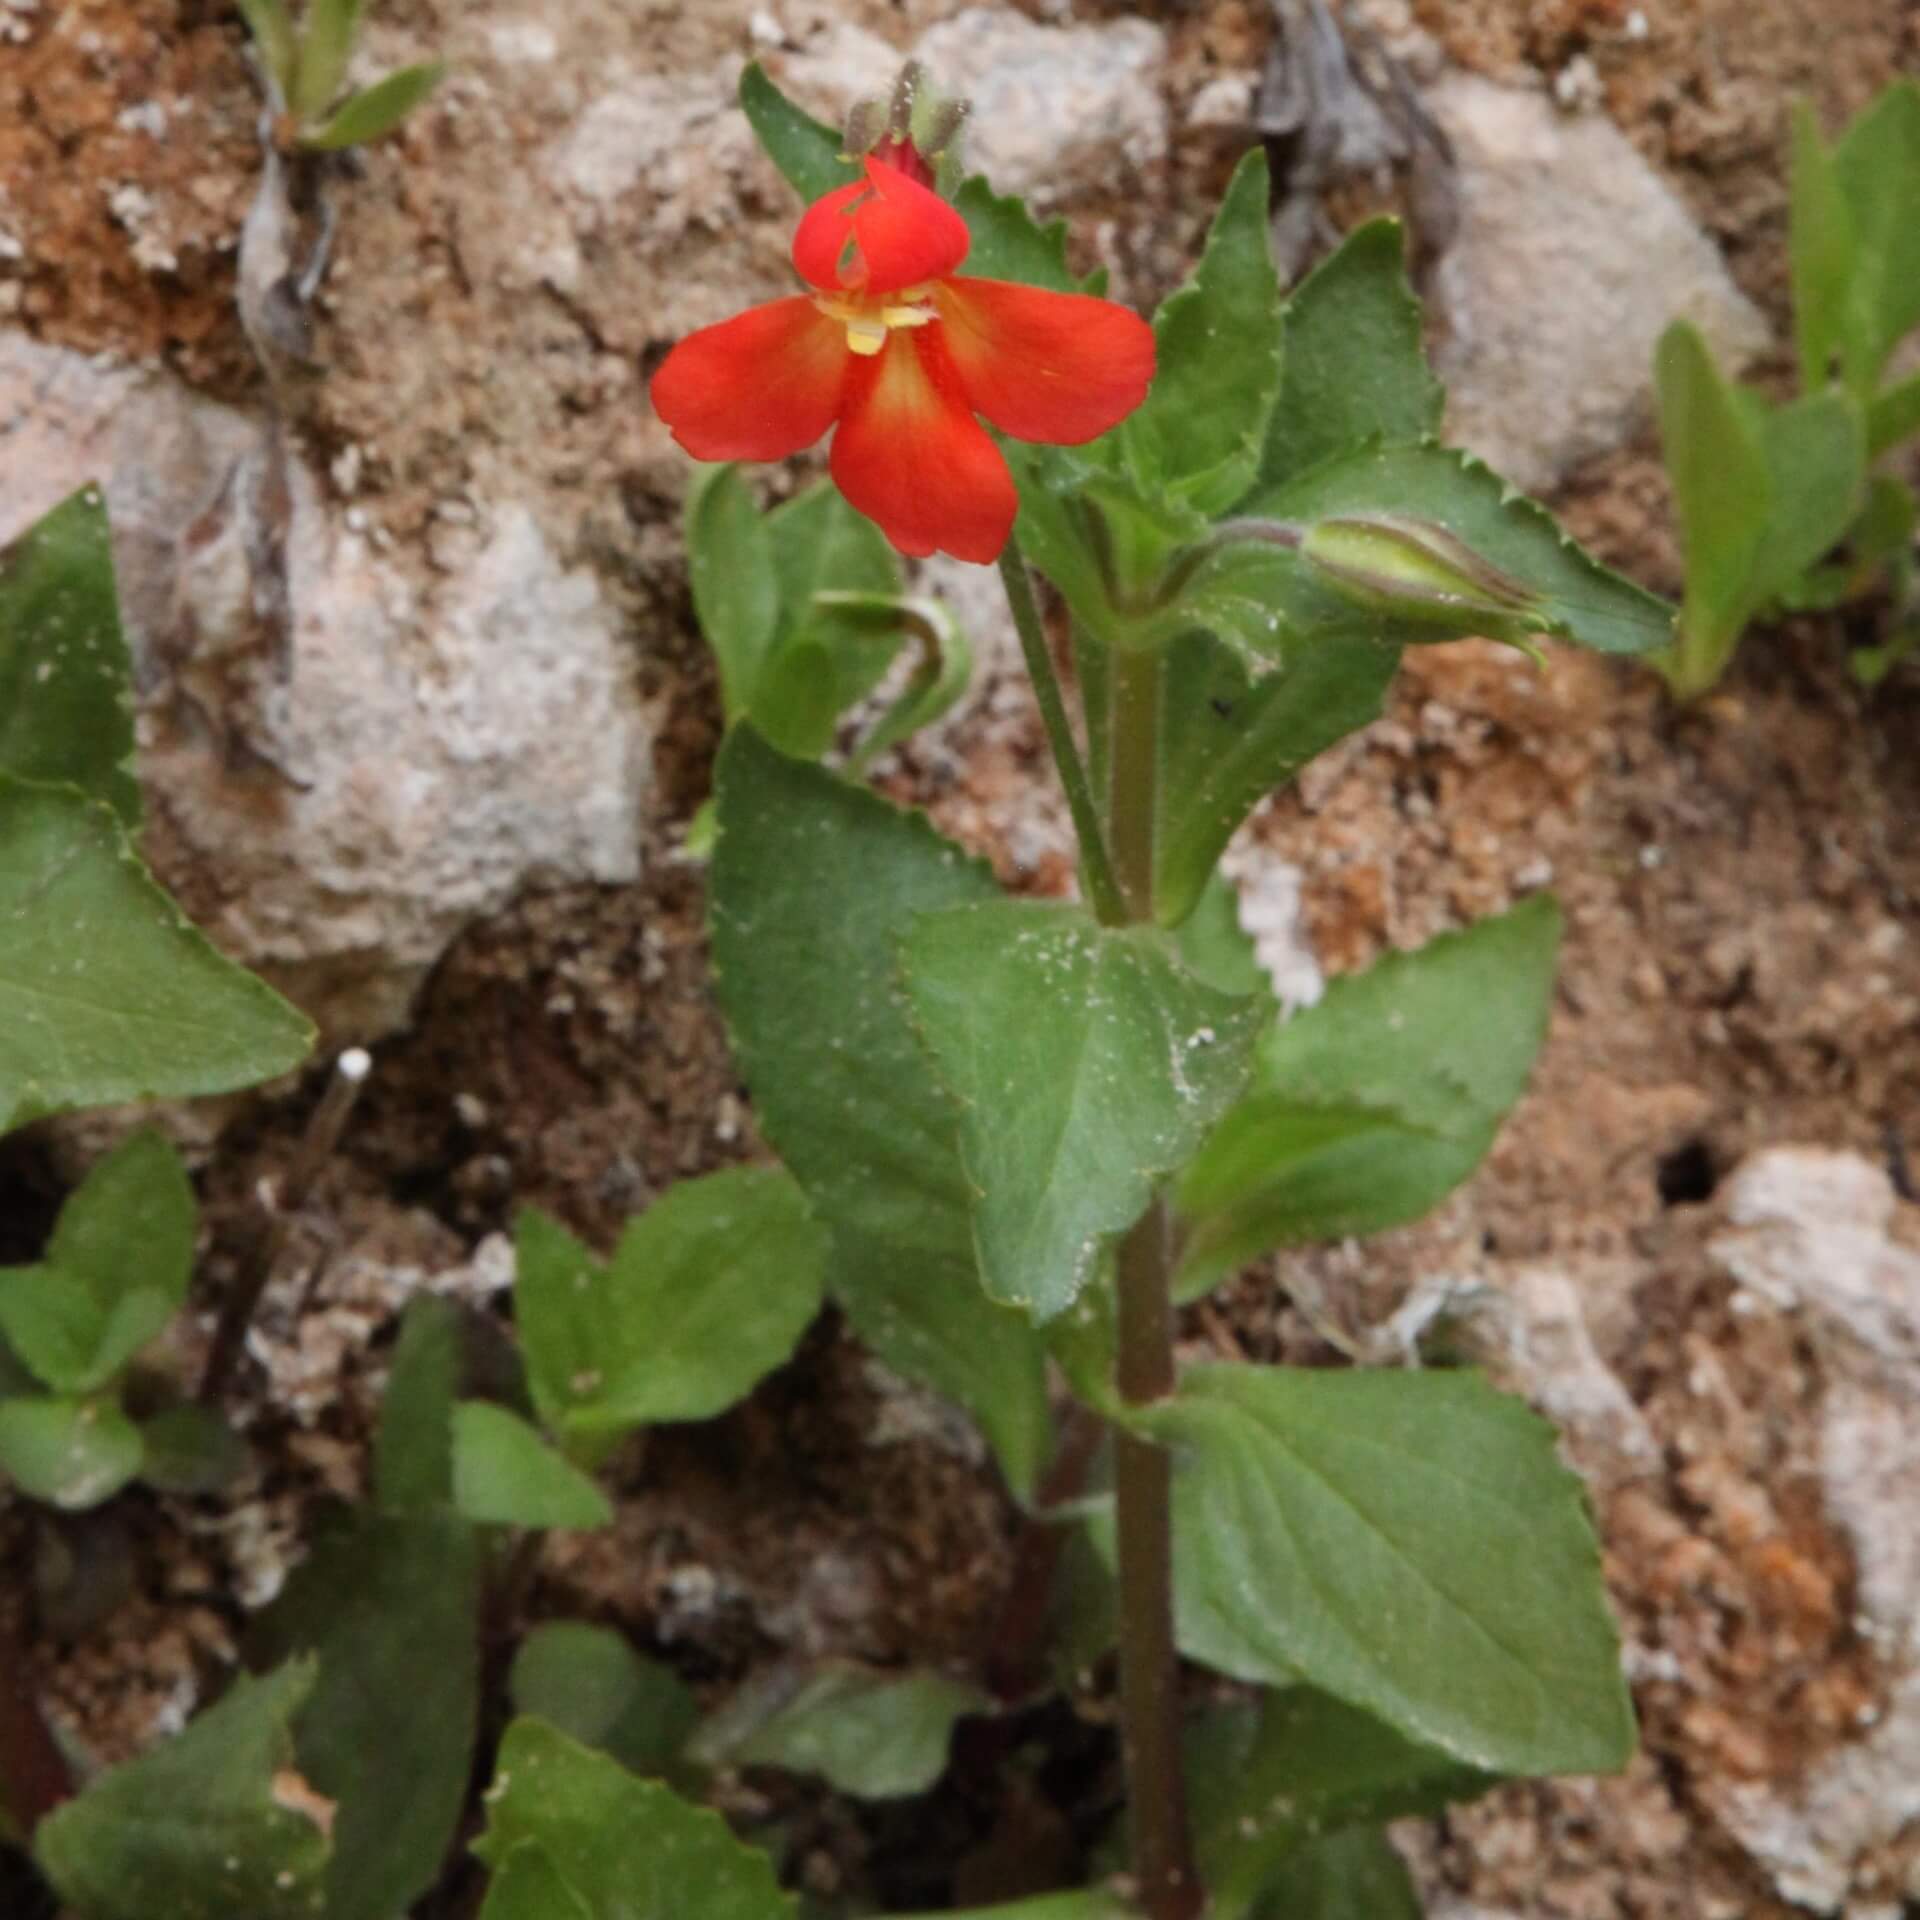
(1163, 1862)
(1142, 1472)
(1102, 890)
(1133, 775)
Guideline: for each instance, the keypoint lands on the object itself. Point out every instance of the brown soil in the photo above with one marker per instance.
(1739, 969)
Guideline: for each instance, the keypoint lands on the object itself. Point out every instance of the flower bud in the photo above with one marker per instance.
(1416, 570)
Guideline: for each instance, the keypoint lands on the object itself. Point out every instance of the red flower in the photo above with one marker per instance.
(902, 353)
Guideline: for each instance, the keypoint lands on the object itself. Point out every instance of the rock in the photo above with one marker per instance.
(1270, 909)
(337, 803)
(1546, 1349)
(1571, 257)
(1060, 114)
(1807, 1234)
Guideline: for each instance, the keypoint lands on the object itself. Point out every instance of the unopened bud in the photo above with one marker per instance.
(1417, 570)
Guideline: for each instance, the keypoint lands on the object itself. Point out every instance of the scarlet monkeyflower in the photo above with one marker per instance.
(902, 353)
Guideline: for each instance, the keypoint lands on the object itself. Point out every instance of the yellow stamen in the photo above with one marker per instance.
(868, 322)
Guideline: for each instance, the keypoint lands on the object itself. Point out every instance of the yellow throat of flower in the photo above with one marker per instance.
(868, 322)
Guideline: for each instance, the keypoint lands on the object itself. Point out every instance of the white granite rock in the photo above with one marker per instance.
(1571, 258)
(1807, 1233)
(1059, 113)
(428, 744)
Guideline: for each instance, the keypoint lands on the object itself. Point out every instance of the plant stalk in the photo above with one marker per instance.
(1163, 1865)
(1149, 1661)
(273, 1221)
(1103, 893)
(34, 1777)
(1016, 1648)
(1133, 775)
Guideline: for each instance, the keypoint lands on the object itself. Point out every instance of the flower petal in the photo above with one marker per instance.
(757, 387)
(1059, 368)
(910, 455)
(879, 235)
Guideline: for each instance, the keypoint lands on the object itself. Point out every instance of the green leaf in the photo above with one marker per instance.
(66, 712)
(413, 1446)
(736, 595)
(106, 993)
(1762, 495)
(1270, 1779)
(375, 111)
(115, 1272)
(272, 33)
(1894, 416)
(812, 878)
(709, 1290)
(130, 1224)
(1355, 1875)
(1816, 455)
(71, 1343)
(871, 1734)
(590, 1684)
(1087, 1064)
(820, 548)
(796, 704)
(69, 1452)
(1214, 947)
(505, 1474)
(828, 561)
(1407, 1542)
(1230, 738)
(1722, 491)
(391, 1608)
(203, 1827)
(1580, 600)
(1352, 368)
(1877, 161)
(1368, 1109)
(328, 30)
(1200, 431)
(938, 679)
(191, 1450)
(1820, 250)
(526, 1885)
(806, 151)
(1009, 244)
(1059, 530)
(1084, 1903)
(570, 1832)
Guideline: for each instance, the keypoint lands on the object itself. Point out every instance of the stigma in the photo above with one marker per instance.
(868, 322)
